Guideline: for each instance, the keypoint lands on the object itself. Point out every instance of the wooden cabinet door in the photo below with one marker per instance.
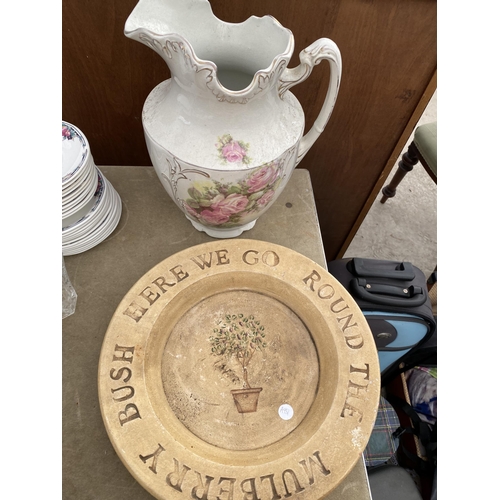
(389, 64)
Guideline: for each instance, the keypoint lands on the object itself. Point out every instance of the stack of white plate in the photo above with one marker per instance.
(91, 208)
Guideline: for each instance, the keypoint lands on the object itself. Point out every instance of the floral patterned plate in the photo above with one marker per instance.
(75, 153)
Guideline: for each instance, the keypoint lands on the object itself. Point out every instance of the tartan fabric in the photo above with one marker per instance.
(381, 447)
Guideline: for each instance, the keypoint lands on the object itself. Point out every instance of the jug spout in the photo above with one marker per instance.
(233, 61)
(165, 16)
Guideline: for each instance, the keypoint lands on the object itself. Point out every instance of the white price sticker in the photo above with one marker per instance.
(285, 412)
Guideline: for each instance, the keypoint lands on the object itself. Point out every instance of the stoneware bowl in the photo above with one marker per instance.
(238, 366)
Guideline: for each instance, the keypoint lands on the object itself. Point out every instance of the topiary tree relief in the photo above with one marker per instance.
(240, 337)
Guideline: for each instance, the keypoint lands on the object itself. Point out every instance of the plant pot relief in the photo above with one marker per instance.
(246, 400)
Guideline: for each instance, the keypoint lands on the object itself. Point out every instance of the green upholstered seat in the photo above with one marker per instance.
(426, 141)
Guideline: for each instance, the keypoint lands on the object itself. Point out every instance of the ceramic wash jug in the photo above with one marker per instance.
(224, 133)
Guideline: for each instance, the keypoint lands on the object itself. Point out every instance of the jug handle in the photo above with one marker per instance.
(323, 48)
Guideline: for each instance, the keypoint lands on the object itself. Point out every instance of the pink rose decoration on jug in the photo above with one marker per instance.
(232, 151)
(233, 204)
(227, 205)
(262, 178)
(265, 198)
(213, 218)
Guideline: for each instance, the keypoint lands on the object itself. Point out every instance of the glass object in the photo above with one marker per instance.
(68, 294)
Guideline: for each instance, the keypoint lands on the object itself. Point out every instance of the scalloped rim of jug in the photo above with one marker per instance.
(249, 90)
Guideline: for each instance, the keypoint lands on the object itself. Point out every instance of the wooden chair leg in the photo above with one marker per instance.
(409, 159)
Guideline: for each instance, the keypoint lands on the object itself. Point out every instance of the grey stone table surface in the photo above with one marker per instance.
(151, 229)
